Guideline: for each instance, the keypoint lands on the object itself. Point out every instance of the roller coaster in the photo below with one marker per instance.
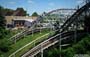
(49, 18)
(76, 26)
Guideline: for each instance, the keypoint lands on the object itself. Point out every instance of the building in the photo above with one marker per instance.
(19, 21)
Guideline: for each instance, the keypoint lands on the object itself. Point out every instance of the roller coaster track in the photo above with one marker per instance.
(49, 42)
(25, 32)
(64, 33)
(75, 16)
(58, 10)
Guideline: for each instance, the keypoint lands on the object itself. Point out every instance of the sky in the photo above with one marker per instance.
(39, 6)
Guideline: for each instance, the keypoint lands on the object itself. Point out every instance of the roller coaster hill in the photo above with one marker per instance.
(72, 30)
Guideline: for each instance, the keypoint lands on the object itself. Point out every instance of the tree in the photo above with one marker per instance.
(35, 14)
(27, 14)
(20, 12)
(2, 23)
(1, 10)
(4, 46)
(8, 12)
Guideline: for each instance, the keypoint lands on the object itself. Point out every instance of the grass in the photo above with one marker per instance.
(12, 33)
(23, 42)
(29, 47)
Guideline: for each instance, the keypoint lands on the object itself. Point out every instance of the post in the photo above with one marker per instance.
(34, 43)
(32, 31)
(60, 42)
(75, 27)
(41, 50)
(75, 33)
(15, 40)
(40, 27)
(40, 30)
(75, 36)
(14, 55)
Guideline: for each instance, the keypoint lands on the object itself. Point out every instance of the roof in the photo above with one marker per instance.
(29, 20)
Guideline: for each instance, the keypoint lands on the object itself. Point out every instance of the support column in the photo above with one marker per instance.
(15, 40)
(75, 29)
(87, 22)
(40, 27)
(41, 50)
(32, 31)
(14, 55)
(34, 43)
(60, 42)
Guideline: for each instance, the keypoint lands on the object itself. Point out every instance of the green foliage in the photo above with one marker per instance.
(27, 14)
(4, 45)
(2, 23)
(53, 53)
(10, 12)
(35, 14)
(21, 12)
(82, 47)
(69, 52)
(2, 18)
(1, 10)
(27, 39)
(6, 11)
(2, 34)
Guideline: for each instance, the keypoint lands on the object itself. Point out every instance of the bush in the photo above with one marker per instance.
(53, 53)
(68, 52)
(82, 47)
(4, 45)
